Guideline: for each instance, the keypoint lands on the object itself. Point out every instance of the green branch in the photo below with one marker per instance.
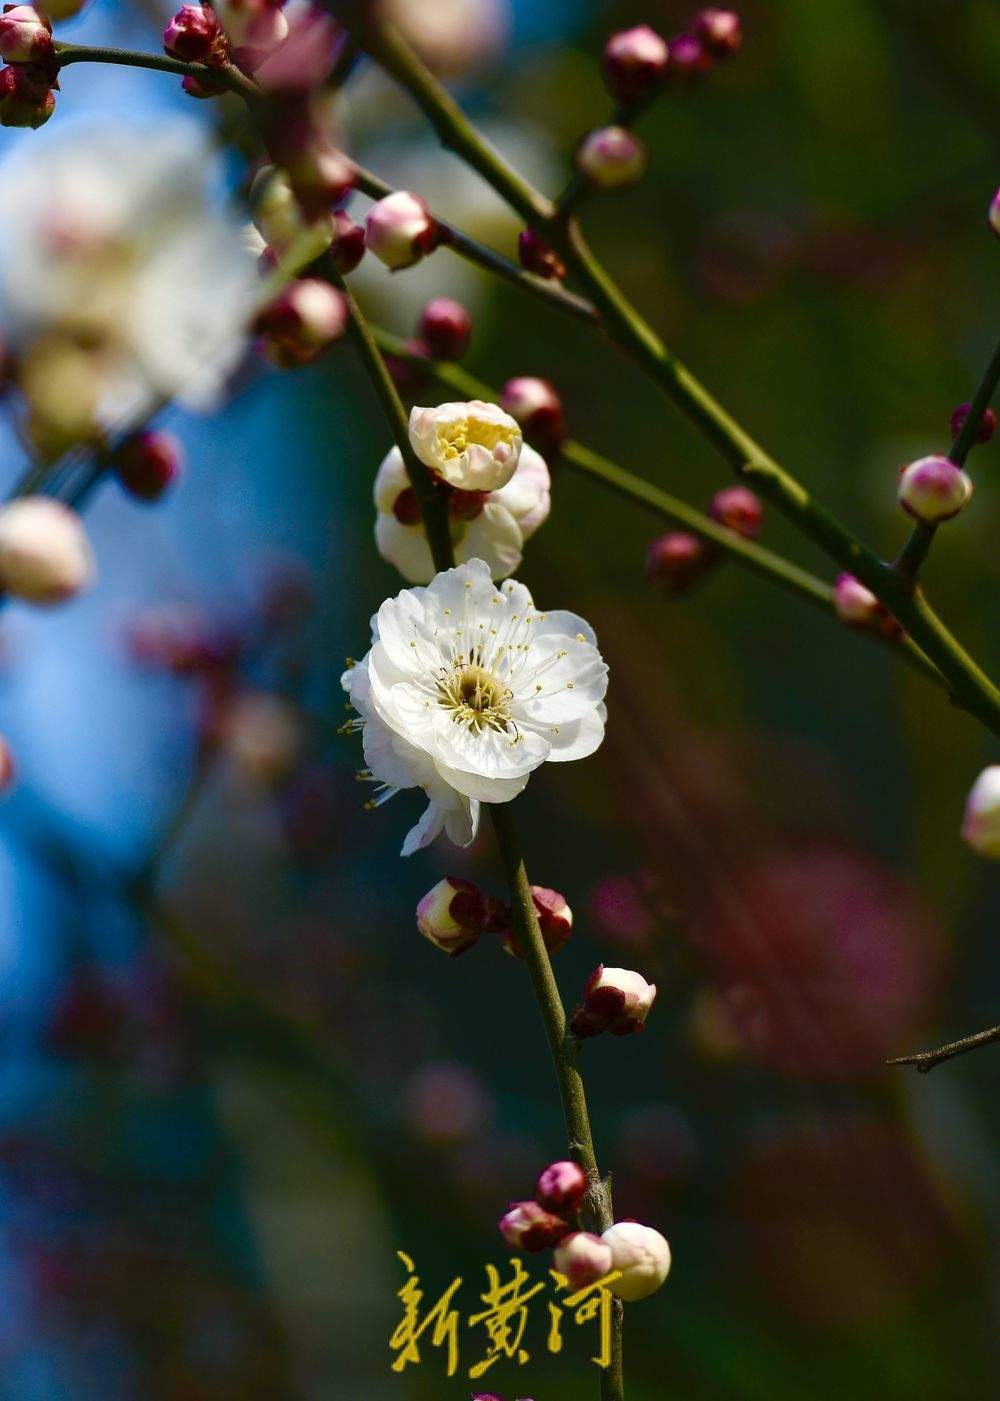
(228, 77)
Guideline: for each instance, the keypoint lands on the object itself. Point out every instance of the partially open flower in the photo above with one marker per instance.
(452, 915)
(583, 1258)
(614, 999)
(488, 525)
(981, 824)
(147, 463)
(301, 322)
(399, 230)
(536, 405)
(642, 1255)
(561, 1187)
(719, 30)
(530, 1227)
(195, 35)
(536, 256)
(987, 423)
(634, 63)
(739, 510)
(25, 35)
(858, 607)
(555, 920)
(679, 559)
(467, 689)
(45, 556)
(473, 446)
(611, 157)
(446, 328)
(933, 489)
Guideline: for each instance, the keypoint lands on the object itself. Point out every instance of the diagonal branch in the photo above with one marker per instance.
(925, 1061)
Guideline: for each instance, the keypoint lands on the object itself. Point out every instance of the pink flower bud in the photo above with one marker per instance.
(614, 999)
(739, 510)
(689, 57)
(583, 1258)
(25, 35)
(536, 256)
(148, 462)
(299, 325)
(319, 176)
(347, 246)
(538, 409)
(446, 328)
(858, 607)
(8, 769)
(642, 1255)
(611, 157)
(634, 63)
(719, 31)
(981, 824)
(561, 1187)
(45, 556)
(677, 560)
(452, 914)
(399, 230)
(987, 424)
(198, 87)
(26, 97)
(994, 215)
(555, 920)
(528, 1226)
(195, 35)
(932, 489)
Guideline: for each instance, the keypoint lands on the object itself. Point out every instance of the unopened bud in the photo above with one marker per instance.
(26, 97)
(538, 409)
(452, 915)
(634, 63)
(739, 510)
(611, 157)
(857, 606)
(147, 462)
(555, 920)
(689, 56)
(981, 824)
(933, 489)
(987, 423)
(994, 215)
(561, 1187)
(276, 212)
(8, 769)
(677, 560)
(536, 256)
(614, 999)
(719, 30)
(302, 321)
(446, 328)
(195, 35)
(528, 1226)
(347, 246)
(45, 556)
(643, 1257)
(583, 1258)
(319, 176)
(25, 35)
(399, 230)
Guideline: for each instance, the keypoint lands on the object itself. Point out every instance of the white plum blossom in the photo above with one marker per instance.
(981, 824)
(466, 690)
(113, 244)
(473, 446)
(491, 526)
(642, 1255)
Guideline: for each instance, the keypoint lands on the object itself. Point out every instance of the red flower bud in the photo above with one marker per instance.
(347, 247)
(400, 231)
(536, 256)
(857, 607)
(634, 63)
(147, 462)
(538, 409)
(530, 1227)
(719, 31)
(987, 424)
(561, 1187)
(677, 560)
(195, 35)
(555, 920)
(446, 327)
(299, 325)
(614, 999)
(26, 96)
(25, 35)
(739, 510)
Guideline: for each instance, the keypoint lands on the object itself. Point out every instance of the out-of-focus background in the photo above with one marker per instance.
(226, 1104)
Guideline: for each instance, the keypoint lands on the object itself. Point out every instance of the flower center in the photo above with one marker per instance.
(475, 698)
(456, 438)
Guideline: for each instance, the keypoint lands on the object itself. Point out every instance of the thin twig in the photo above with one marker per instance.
(925, 1061)
(228, 77)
